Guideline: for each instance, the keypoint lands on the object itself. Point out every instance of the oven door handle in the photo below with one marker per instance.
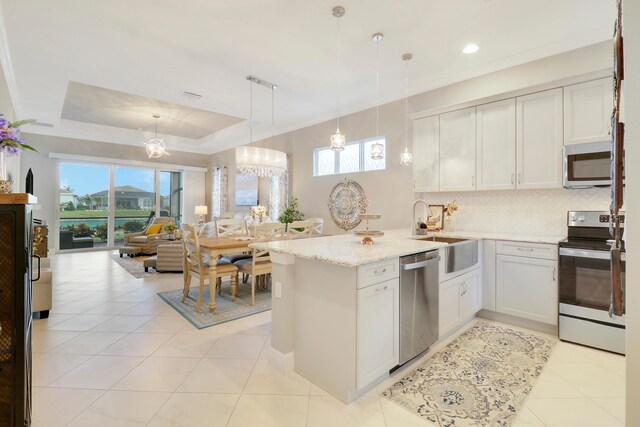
(586, 253)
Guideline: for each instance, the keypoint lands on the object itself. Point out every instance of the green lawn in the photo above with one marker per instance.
(104, 214)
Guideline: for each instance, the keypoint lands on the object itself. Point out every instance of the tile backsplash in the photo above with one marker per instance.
(520, 211)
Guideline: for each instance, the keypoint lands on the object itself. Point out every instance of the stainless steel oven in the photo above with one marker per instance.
(585, 285)
(587, 165)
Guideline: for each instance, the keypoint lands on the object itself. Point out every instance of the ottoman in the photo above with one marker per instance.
(170, 257)
(149, 262)
(129, 250)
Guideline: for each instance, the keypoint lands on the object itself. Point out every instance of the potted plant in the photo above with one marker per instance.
(171, 229)
(10, 145)
(291, 213)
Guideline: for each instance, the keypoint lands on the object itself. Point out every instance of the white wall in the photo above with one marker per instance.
(390, 191)
(632, 194)
(6, 108)
(194, 184)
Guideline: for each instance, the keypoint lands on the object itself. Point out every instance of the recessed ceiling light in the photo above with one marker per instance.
(471, 48)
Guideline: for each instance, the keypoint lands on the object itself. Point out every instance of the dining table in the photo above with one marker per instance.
(215, 247)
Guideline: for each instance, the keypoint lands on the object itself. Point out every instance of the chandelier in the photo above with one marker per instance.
(338, 138)
(406, 158)
(258, 161)
(377, 148)
(155, 147)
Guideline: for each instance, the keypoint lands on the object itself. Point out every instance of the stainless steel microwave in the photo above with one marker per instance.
(587, 165)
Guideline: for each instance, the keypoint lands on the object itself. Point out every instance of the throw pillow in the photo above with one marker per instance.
(154, 229)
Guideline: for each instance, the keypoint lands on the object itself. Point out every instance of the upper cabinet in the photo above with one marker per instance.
(496, 145)
(458, 150)
(426, 154)
(587, 111)
(539, 140)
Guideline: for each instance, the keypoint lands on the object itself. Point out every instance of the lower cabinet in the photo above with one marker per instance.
(378, 330)
(527, 288)
(460, 298)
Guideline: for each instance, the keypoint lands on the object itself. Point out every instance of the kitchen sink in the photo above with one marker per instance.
(441, 239)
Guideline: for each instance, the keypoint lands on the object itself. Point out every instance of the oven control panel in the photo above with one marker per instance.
(590, 218)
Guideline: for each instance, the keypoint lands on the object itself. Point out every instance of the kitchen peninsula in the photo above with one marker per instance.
(343, 340)
(335, 303)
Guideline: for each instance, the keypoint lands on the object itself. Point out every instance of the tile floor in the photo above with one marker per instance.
(113, 354)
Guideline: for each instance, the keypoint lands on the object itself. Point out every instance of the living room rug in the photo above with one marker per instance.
(226, 310)
(481, 378)
(134, 266)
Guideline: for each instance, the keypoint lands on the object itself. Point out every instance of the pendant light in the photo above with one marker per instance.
(338, 139)
(155, 147)
(258, 161)
(377, 148)
(406, 158)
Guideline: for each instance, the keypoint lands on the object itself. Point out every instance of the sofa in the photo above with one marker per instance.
(41, 298)
(148, 243)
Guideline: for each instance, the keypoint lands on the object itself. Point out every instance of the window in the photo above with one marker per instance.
(356, 157)
(100, 203)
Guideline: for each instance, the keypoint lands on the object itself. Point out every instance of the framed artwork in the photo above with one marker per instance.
(436, 221)
(246, 190)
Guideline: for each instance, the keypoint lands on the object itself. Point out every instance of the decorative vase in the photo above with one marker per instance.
(5, 185)
(449, 224)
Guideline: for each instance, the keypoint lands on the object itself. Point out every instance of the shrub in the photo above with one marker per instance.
(101, 231)
(82, 230)
(132, 226)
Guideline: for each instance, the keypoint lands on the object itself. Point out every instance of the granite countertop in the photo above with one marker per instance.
(345, 249)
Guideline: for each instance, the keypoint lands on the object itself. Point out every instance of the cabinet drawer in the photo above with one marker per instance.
(531, 250)
(376, 272)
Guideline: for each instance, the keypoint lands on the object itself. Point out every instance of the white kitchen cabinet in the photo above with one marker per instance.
(458, 150)
(527, 288)
(539, 140)
(459, 299)
(426, 154)
(496, 145)
(587, 111)
(378, 329)
(489, 274)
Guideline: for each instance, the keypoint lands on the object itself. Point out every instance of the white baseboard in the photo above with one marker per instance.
(280, 361)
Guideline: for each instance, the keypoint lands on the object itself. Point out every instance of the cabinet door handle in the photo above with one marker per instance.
(379, 272)
(512, 178)
(520, 178)
(384, 288)
(526, 249)
(473, 181)
(554, 273)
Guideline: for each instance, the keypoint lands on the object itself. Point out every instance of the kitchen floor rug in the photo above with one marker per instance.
(480, 379)
(226, 310)
(134, 266)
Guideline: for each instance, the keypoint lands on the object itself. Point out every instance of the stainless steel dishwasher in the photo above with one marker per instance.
(418, 303)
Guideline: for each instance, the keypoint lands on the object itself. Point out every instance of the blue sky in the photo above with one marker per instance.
(88, 179)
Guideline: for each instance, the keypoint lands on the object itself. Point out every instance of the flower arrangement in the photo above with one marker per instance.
(170, 228)
(450, 208)
(10, 141)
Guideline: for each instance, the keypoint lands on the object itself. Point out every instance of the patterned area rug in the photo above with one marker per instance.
(480, 379)
(134, 266)
(226, 310)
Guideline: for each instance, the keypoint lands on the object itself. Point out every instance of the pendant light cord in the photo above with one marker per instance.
(250, 112)
(338, 120)
(273, 117)
(406, 105)
(156, 127)
(377, 88)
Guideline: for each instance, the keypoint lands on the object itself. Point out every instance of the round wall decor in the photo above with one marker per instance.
(346, 202)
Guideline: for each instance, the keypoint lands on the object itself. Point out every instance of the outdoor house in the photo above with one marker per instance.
(127, 197)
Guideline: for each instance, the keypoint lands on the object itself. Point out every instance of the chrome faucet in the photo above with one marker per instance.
(414, 227)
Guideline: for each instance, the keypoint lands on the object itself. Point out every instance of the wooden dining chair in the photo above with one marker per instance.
(259, 265)
(230, 227)
(299, 228)
(317, 225)
(196, 262)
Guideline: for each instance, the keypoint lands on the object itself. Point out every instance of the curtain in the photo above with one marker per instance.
(220, 191)
(278, 195)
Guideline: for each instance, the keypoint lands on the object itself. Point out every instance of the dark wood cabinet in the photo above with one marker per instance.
(15, 309)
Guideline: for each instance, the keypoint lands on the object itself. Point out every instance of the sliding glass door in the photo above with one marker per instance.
(134, 198)
(83, 206)
(99, 204)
